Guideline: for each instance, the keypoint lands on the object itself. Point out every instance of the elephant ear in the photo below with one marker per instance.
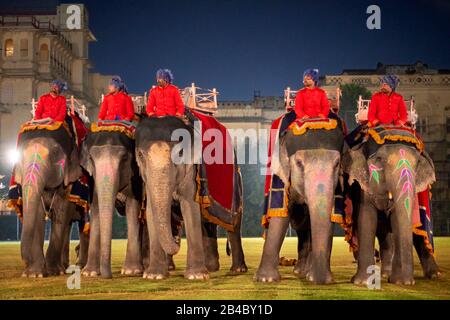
(425, 174)
(86, 160)
(73, 170)
(354, 163)
(280, 161)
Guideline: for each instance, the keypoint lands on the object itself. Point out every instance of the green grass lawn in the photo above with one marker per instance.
(222, 285)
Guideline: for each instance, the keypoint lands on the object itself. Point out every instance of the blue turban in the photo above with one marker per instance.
(165, 74)
(118, 83)
(62, 85)
(313, 73)
(391, 80)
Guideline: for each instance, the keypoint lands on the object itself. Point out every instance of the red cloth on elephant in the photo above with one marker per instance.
(312, 103)
(220, 175)
(118, 106)
(165, 101)
(50, 106)
(387, 109)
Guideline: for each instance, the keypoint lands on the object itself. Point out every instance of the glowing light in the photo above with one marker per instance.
(13, 156)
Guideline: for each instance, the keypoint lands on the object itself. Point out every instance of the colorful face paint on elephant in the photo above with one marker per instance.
(406, 176)
(35, 158)
(374, 173)
(61, 165)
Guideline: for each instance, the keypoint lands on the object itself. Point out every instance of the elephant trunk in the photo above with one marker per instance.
(106, 177)
(32, 211)
(161, 185)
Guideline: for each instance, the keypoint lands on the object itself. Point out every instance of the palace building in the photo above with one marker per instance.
(37, 46)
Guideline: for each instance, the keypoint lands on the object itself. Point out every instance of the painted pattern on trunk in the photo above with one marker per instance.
(35, 158)
(406, 176)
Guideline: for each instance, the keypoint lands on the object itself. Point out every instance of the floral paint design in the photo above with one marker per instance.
(406, 176)
(374, 173)
(35, 158)
(61, 165)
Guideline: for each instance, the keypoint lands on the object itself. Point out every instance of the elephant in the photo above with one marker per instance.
(49, 162)
(384, 180)
(166, 183)
(109, 158)
(309, 164)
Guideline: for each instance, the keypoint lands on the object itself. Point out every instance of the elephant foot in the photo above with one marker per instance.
(300, 270)
(132, 271)
(56, 270)
(239, 268)
(213, 266)
(33, 274)
(196, 275)
(360, 279)
(267, 275)
(385, 274)
(90, 272)
(154, 276)
(327, 278)
(401, 280)
(432, 274)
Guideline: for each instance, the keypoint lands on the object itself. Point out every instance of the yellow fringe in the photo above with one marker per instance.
(86, 228)
(327, 125)
(16, 204)
(52, 127)
(121, 129)
(379, 140)
(205, 202)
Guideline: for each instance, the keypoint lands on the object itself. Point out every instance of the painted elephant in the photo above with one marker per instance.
(166, 183)
(310, 165)
(109, 158)
(388, 177)
(49, 162)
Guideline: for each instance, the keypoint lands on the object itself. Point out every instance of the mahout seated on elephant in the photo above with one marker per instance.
(389, 174)
(41, 188)
(301, 189)
(168, 182)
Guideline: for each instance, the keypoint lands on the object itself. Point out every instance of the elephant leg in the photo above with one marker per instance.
(92, 268)
(65, 256)
(209, 232)
(237, 253)
(144, 245)
(385, 240)
(133, 259)
(157, 267)
(37, 267)
(170, 263)
(429, 265)
(402, 263)
(83, 247)
(58, 237)
(268, 267)
(303, 265)
(367, 226)
(195, 266)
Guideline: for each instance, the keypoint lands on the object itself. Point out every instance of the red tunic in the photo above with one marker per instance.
(117, 106)
(165, 101)
(387, 109)
(50, 106)
(312, 103)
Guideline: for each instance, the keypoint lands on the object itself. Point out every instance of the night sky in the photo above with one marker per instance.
(240, 46)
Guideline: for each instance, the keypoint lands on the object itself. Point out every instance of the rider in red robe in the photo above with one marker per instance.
(165, 98)
(117, 105)
(311, 101)
(52, 105)
(387, 106)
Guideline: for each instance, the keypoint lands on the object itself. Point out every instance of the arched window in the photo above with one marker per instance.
(23, 48)
(43, 52)
(9, 47)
